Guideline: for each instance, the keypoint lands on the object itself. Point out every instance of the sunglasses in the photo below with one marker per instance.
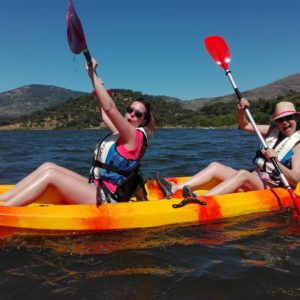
(286, 118)
(138, 114)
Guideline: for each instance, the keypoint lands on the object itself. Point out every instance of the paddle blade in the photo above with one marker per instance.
(219, 51)
(296, 201)
(75, 32)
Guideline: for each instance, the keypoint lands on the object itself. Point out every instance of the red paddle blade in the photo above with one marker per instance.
(296, 201)
(75, 32)
(219, 51)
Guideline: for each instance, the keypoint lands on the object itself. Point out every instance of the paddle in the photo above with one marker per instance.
(75, 34)
(76, 37)
(219, 51)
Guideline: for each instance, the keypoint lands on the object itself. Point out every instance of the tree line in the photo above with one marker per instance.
(82, 112)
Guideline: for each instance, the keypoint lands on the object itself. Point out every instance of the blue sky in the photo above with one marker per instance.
(152, 46)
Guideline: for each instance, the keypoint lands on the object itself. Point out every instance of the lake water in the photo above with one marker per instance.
(253, 257)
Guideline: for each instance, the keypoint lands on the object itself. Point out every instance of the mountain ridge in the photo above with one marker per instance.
(269, 91)
(33, 97)
(37, 97)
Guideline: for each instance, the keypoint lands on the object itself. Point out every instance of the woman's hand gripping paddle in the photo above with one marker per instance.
(219, 51)
(75, 34)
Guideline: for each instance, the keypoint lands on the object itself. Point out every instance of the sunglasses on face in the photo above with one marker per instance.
(286, 118)
(138, 114)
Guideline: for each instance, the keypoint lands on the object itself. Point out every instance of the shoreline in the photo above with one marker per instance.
(17, 127)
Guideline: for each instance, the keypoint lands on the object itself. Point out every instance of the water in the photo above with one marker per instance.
(253, 257)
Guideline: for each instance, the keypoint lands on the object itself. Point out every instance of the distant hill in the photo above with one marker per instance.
(270, 91)
(82, 113)
(34, 97)
(49, 107)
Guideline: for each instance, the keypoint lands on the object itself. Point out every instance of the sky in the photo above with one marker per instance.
(152, 46)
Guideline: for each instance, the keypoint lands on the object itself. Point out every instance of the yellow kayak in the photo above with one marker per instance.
(157, 211)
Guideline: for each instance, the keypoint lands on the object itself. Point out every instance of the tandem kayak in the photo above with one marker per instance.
(157, 211)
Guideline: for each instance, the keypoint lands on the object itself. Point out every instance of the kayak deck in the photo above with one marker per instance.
(48, 215)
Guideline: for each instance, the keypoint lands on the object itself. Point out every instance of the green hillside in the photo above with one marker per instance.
(30, 98)
(82, 112)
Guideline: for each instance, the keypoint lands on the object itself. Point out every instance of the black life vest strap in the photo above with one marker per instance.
(103, 194)
(115, 169)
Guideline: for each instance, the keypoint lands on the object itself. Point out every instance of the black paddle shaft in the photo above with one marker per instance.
(251, 120)
(87, 56)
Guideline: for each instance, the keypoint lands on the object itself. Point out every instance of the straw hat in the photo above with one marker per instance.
(283, 109)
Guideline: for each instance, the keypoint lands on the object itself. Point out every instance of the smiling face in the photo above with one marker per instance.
(135, 114)
(287, 125)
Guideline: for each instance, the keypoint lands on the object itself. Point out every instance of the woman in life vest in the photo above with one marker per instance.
(124, 151)
(283, 144)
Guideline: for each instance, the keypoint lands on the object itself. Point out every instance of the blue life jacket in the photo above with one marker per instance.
(110, 166)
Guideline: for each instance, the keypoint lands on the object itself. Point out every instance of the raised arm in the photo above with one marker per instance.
(112, 117)
(104, 117)
(106, 120)
(243, 122)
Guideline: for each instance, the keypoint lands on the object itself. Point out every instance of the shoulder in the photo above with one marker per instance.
(140, 131)
(141, 136)
(296, 150)
(297, 133)
(297, 146)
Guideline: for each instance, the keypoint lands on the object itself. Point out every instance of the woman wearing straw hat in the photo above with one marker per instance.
(283, 144)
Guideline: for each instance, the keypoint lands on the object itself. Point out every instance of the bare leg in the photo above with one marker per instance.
(35, 175)
(214, 170)
(72, 190)
(242, 178)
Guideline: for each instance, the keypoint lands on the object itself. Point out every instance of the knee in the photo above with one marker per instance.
(50, 175)
(215, 165)
(47, 166)
(242, 175)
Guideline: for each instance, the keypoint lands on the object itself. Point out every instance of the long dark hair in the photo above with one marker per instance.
(150, 120)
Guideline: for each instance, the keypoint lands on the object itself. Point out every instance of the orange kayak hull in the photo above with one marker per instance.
(48, 215)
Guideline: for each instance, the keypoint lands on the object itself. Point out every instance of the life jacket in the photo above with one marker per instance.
(283, 149)
(109, 166)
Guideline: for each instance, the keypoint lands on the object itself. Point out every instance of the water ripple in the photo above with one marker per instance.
(253, 257)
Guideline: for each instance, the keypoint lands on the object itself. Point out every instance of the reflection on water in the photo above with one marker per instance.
(252, 257)
(235, 257)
